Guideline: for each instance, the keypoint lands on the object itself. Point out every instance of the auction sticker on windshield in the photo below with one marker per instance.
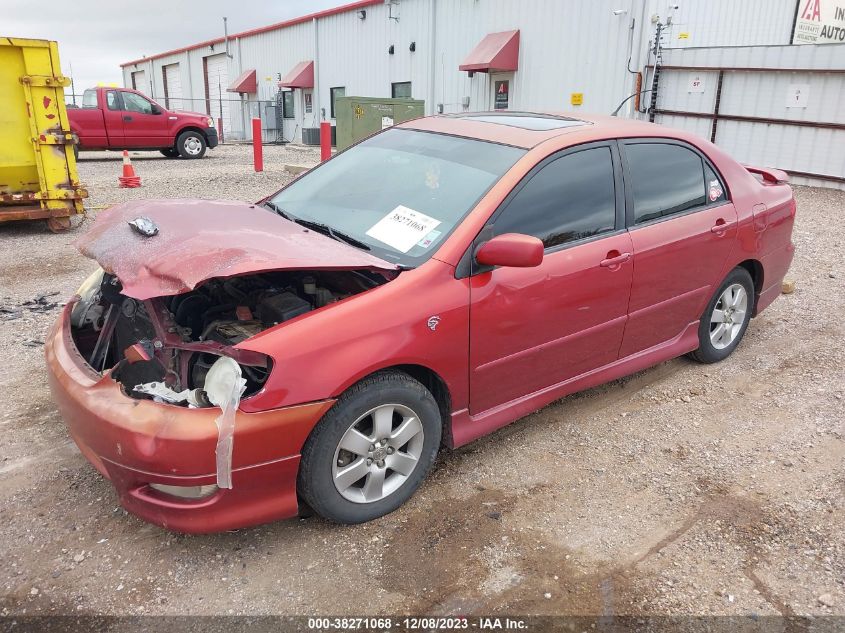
(403, 228)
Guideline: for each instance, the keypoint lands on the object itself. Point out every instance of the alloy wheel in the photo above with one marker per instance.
(378, 452)
(728, 316)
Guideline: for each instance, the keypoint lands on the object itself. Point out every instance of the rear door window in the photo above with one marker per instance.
(665, 179)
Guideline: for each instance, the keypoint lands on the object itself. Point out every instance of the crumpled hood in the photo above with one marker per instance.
(201, 239)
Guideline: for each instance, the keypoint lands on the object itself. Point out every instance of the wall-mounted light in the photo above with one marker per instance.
(362, 14)
(412, 47)
(620, 11)
(391, 50)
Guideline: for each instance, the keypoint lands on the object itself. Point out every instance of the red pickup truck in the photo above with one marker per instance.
(119, 118)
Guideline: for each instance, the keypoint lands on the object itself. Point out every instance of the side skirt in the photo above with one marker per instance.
(466, 427)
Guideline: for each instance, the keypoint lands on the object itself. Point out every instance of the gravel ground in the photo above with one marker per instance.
(684, 489)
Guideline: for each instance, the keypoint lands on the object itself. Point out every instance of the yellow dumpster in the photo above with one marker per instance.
(38, 178)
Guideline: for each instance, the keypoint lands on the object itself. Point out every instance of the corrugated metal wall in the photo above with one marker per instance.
(354, 52)
(566, 46)
(763, 94)
(698, 23)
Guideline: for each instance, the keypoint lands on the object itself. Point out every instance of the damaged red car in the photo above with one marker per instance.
(231, 364)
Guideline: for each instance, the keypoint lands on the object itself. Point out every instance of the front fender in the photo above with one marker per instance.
(327, 351)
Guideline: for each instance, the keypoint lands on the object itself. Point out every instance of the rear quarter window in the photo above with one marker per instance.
(89, 99)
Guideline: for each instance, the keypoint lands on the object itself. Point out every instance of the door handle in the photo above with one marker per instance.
(721, 226)
(127, 118)
(615, 258)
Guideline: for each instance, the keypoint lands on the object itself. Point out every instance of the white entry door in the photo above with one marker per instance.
(501, 91)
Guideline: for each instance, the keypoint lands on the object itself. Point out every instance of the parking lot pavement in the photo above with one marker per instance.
(226, 172)
(682, 489)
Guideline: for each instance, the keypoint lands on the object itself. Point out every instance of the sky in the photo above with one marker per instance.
(96, 36)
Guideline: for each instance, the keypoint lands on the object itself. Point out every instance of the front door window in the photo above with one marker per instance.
(136, 103)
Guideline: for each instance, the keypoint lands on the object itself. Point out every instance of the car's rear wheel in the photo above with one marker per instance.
(726, 317)
(191, 144)
(372, 450)
(170, 152)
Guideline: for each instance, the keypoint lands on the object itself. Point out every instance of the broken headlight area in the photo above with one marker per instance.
(166, 348)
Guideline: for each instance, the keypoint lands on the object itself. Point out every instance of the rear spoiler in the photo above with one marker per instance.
(769, 175)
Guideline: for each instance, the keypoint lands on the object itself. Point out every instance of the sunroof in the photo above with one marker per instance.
(536, 122)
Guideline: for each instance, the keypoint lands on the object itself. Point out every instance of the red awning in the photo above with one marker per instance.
(246, 83)
(496, 52)
(300, 76)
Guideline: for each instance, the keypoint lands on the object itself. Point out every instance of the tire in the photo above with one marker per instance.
(395, 398)
(191, 144)
(170, 152)
(76, 152)
(719, 334)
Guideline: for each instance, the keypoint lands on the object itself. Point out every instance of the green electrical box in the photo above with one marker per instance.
(359, 117)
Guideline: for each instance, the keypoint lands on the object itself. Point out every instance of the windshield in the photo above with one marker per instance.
(399, 193)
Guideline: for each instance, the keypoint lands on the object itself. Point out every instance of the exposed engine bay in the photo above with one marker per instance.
(180, 349)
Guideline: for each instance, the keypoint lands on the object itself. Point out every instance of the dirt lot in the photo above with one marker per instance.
(682, 489)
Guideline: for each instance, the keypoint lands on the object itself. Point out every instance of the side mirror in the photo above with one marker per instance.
(155, 109)
(511, 249)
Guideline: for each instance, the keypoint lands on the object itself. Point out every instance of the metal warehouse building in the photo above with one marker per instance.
(765, 79)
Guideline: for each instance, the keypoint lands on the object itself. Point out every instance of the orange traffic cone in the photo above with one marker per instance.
(128, 180)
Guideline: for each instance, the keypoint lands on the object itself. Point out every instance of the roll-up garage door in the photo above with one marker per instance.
(139, 82)
(173, 87)
(216, 81)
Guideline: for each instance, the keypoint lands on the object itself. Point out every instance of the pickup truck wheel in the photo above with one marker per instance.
(76, 152)
(170, 152)
(191, 144)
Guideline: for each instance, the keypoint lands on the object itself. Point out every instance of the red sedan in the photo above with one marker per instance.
(230, 364)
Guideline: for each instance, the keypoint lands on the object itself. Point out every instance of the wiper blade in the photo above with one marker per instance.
(325, 229)
(276, 208)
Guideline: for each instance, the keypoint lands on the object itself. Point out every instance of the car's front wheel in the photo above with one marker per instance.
(725, 318)
(372, 450)
(191, 144)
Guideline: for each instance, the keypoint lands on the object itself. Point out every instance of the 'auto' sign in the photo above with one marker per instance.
(820, 22)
